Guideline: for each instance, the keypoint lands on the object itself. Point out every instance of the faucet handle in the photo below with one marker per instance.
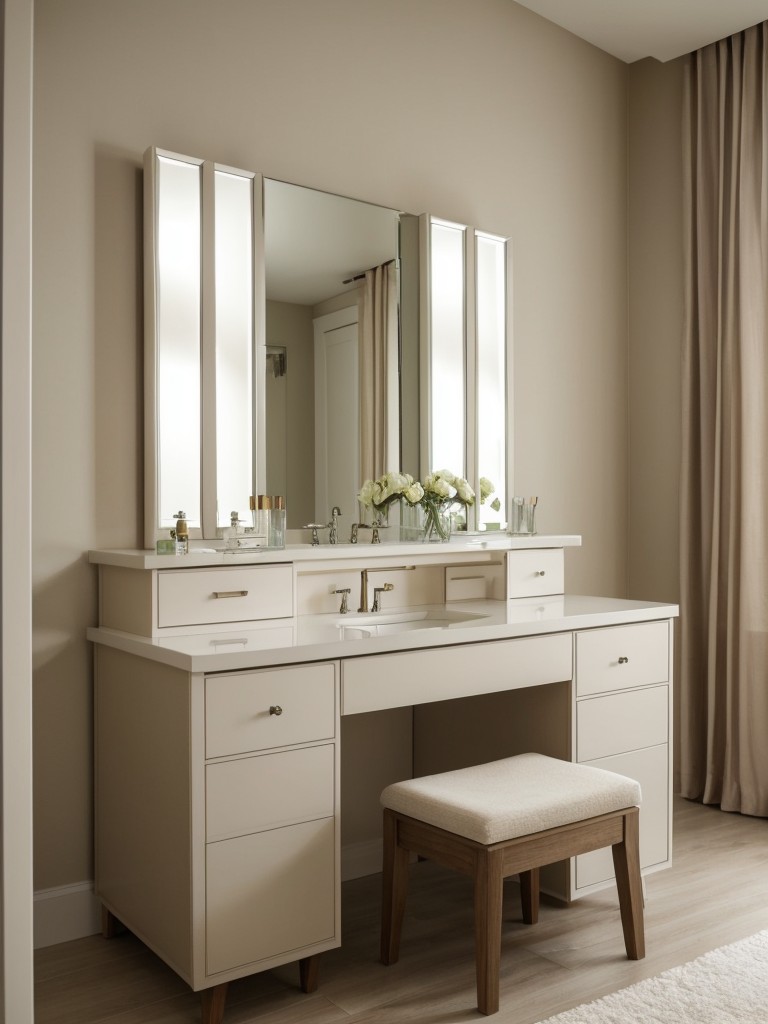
(380, 590)
(314, 527)
(344, 606)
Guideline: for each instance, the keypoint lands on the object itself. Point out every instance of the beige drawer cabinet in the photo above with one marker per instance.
(217, 835)
(622, 723)
(159, 602)
(535, 572)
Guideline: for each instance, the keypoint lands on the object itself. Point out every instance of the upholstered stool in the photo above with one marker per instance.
(504, 818)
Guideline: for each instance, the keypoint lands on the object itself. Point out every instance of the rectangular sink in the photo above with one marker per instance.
(360, 626)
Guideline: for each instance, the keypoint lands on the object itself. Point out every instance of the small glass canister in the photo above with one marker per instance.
(277, 522)
(522, 521)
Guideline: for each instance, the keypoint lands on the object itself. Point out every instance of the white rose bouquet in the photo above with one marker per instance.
(379, 494)
(486, 490)
(443, 490)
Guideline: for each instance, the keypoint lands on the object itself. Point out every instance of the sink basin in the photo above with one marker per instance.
(359, 626)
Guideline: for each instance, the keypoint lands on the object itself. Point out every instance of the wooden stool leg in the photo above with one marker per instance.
(394, 887)
(529, 895)
(308, 972)
(626, 862)
(214, 1000)
(489, 892)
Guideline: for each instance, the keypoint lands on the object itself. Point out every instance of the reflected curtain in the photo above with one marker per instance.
(724, 492)
(379, 379)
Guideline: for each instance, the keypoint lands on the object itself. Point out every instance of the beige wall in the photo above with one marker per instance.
(509, 123)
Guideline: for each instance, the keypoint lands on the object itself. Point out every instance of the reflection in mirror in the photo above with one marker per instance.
(233, 212)
(203, 442)
(491, 334)
(318, 248)
(465, 393)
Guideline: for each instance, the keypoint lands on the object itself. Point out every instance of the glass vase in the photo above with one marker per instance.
(437, 523)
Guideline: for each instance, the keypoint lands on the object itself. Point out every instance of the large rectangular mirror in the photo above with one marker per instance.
(290, 349)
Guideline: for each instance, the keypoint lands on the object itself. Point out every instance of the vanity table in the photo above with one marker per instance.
(220, 684)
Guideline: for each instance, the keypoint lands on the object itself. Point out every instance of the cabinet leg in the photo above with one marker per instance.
(308, 973)
(214, 1000)
(110, 926)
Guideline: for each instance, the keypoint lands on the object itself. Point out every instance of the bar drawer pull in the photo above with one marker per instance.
(230, 593)
(275, 709)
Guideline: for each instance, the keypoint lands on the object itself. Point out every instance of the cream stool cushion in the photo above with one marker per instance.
(516, 796)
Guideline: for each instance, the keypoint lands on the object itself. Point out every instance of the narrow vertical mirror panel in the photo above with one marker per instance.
(178, 330)
(447, 347)
(491, 368)
(233, 274)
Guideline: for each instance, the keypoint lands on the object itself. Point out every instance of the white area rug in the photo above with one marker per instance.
(727, 986)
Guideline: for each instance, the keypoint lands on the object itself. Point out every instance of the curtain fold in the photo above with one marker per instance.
(379, 373)
(724, 484)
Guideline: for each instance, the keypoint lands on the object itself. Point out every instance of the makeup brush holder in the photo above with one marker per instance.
(522, 520)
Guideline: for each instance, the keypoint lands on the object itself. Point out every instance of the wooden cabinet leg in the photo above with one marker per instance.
(110, 926)
(214, 1000)
(308, 973)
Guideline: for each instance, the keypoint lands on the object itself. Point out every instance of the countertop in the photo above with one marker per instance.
(325, 637)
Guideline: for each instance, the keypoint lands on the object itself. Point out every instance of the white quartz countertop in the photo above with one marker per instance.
(325, 637)
(199, 557)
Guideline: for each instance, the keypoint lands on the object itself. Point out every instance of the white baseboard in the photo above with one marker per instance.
(64, 913)
(358, 859)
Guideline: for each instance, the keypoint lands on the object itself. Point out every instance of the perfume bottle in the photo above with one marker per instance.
(180, 533)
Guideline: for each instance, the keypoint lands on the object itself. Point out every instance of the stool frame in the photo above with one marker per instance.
(490, 864)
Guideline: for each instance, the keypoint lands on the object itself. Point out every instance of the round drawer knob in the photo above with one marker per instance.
(623, 661)
(275, 709)
(541, 573)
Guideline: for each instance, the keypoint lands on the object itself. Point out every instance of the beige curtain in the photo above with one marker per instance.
(724, 487)
(379, 376)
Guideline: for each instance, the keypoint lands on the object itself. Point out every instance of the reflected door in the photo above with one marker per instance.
(337, 442)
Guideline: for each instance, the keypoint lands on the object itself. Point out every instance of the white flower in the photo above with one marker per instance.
(413, 493)
(365, 497)
(464, 491)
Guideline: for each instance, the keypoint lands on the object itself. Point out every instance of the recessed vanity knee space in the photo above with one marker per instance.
(221, 682)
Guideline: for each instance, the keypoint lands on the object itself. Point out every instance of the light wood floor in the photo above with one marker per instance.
(716, 892)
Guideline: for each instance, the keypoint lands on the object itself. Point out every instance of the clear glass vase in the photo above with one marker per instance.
(437, 522)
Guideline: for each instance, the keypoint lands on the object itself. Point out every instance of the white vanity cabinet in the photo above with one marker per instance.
(623, 719)
(219, 691)
(217, 812)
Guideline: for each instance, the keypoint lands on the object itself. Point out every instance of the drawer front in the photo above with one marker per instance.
(535, 572)
(422, 676)
(269, 893)
(268, 791)
(622, 656)
(239, 714)
(621, 721)
(199, 597)
(650, 768)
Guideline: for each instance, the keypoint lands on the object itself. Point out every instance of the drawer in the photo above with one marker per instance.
(442, 673)
(621, 721)
(535, 572)
(622, 656)
(650, 768)
(270, 893)
(238, 716)
(199, 597)
(268, 791)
